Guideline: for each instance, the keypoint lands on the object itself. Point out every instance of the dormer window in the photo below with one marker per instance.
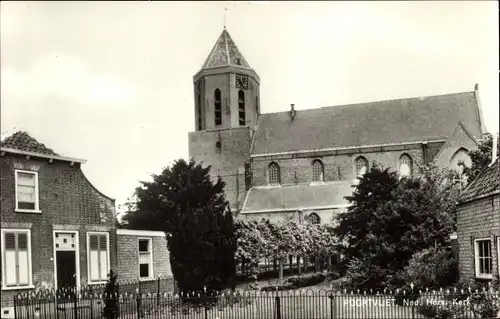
(241, 107)
(26, 191)
(274, 174)
(218, 107)
(317, 171)
(361, 164)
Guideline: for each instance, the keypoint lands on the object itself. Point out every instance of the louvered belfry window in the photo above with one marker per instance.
(145, 258)
(241, 107)
(98, 257)
(16, 258)
(218, 107)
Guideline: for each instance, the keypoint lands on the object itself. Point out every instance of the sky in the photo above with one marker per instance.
(111, 82)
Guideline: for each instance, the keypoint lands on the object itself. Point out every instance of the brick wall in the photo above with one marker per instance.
(297, 170)
(67, 201)
(128, 256)
(325, 215)
(477, 219)
(229, 163)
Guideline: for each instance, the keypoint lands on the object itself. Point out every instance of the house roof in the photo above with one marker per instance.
(262, 199)
(225, 53)
(22, 141)
(486, 183)
(375, 123)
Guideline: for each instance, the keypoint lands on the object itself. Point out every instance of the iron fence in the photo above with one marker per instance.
(297, 304)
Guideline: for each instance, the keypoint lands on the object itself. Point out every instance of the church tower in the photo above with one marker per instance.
(226, 106)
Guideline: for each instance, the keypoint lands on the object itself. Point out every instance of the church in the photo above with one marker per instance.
(300, 164)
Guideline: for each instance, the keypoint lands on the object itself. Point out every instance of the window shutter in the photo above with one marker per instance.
(94, 242)
(94, 257)
(22, 241)
(103, 243)
(10, 241)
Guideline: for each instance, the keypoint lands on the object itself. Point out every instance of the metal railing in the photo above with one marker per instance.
(296, 304)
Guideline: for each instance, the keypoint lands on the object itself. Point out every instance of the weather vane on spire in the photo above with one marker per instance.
(225, 10)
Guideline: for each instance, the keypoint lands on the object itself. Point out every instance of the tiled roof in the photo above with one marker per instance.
(487, 182)
(297, 197)
(22, 141)
(225, 53)
(384, 122)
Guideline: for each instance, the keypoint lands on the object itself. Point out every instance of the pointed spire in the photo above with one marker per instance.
(225, 53)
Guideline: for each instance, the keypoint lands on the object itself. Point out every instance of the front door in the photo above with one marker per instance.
(65, 259)
(66, 269)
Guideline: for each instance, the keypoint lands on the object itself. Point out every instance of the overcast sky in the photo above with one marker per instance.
(111, 82)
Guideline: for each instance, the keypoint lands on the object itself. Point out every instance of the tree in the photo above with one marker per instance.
(480, 158)
(191, 209)
(390, 219)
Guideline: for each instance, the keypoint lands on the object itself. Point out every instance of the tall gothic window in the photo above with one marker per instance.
(361, 166)
(199, 113)
(317, 171)
(218, 147)
(256, 105)
(313, 218)
(218, 107)
(405, 165)
(274, 173)
(241, 107)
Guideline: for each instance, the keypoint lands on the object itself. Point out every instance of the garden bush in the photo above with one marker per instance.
(431, 268)
(297, 282)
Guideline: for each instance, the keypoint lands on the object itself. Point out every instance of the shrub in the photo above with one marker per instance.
(297, 282)
(110, 297)
(431, 268)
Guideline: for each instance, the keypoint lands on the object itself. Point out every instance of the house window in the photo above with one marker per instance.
(314, 218)
(218, 107)
(241, 107)
(16, 258)
(317, 171)
(199, 113)
(26, 191)
(483, 258)
(361, 164)
(274, 173)
(405, 165)
(145, 258)
(98, 256)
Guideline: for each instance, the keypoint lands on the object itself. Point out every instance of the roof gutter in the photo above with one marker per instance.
(48, 156)
(342, 148)
(293, 209)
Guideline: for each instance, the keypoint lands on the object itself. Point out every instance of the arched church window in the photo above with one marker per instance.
(257, 105)
(405, 165)
(241, 107)
(313, 218)
(218, 107)
(199, 113)
(361, 164)
(317, 171)
(274, 173)
(218, 147)
(460, 156)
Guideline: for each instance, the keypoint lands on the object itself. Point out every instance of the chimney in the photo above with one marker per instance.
(292, 112)
(494, 148)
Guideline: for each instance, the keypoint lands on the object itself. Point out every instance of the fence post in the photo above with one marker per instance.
(138, 299)
(332, 308)
(75, 303)
(15, 306)
(158, 294)
(278, 307)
